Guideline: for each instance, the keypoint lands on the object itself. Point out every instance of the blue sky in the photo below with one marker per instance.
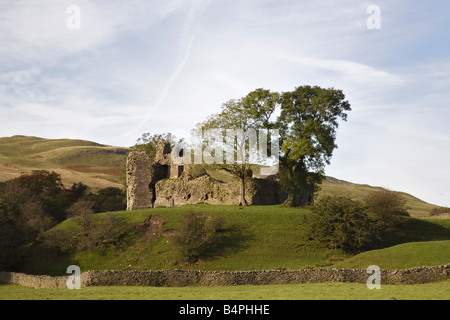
(162, 66)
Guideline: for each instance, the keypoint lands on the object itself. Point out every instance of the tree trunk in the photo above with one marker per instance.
(292, 200)
(242, 201)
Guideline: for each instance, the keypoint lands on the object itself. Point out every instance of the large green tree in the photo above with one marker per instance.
(308, 122)
(252, 112)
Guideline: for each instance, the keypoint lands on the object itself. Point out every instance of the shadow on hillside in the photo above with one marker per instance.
(229, 241)
(413, 230)
(40, 261)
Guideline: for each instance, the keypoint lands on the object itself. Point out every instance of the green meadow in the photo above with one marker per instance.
(316, 291)
(254, 237)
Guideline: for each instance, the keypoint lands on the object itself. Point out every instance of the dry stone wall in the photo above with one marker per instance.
(181, 278)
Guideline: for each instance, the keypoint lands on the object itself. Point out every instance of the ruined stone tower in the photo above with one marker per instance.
(139, 177)
(163, 166)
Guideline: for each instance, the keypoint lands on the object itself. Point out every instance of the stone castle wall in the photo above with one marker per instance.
(175, 192)
(163, 183)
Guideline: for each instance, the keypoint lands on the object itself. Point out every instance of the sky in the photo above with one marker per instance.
(109, 71)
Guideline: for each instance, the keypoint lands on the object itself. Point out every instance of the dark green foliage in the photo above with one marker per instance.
(22, 217)
(32, 203)
(79, 190)
(341, 223)
(44, 187)
(252, 112)
(108, 199)
(387, 206)
(197, 234)
(58, 241)
(308, 122)
(41, 181)
(82, 213)
(298, 182)
(33, 220)
(9, 242)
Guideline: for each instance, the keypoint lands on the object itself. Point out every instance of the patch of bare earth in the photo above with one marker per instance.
(154, 228)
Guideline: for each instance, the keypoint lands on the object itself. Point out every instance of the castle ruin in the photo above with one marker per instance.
(164, 183)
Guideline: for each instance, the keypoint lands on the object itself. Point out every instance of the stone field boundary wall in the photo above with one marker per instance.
(182, 278)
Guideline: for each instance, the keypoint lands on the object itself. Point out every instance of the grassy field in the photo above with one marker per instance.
(255, 237)
(96, 165)
(318, 291)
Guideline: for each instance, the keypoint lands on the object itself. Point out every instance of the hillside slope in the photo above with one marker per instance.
(252, 238)
(407, 255)
(96, 165)
(332, 186)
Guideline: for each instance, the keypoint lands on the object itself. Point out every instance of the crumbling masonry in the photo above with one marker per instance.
(164, 183)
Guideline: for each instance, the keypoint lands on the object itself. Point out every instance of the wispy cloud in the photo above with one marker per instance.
(164, 65)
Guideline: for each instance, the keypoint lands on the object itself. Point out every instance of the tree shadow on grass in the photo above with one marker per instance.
(413, 230)
(228, 242)
(42, 261)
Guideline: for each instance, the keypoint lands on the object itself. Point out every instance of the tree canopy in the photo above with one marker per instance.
(242, 117)
(307, 123)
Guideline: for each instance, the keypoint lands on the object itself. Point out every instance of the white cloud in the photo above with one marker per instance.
(158, 66)
(36, 32)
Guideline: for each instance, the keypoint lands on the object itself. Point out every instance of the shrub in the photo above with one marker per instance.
(82, 213)
(110, 232)
(33, 220)
(341, 223)
(197, 234)
(108, 199)
(387, 206)
(59, 241)
(9, 242)
(102, 233)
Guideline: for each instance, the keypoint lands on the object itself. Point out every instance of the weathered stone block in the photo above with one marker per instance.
(139, 195)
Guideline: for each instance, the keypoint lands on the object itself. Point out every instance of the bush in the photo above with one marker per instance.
(59, 241)
(33, 220)
(82, 213)
(100, 233)
(387, 206)
(109, 199)
(341, 223)
(197, 233)
(9, 243)
(109, 232)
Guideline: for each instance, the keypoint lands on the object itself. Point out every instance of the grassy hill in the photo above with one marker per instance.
(255, 237)
(96, 165)
(402, 256)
